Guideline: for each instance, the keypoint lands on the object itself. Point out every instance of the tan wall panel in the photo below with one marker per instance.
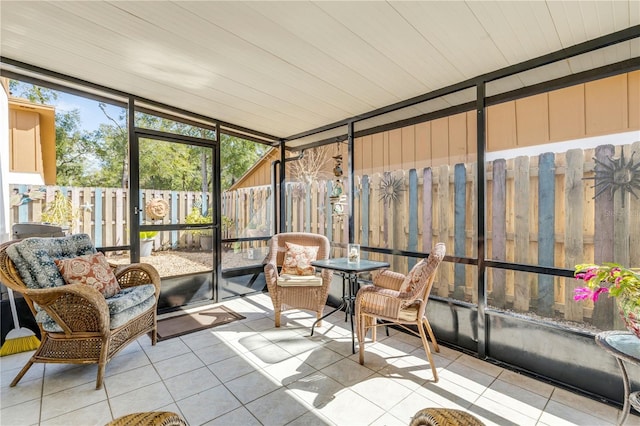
(501, 126)
(367, 153)
(458, 138)
(377, 153)
(532, 115)
(26, 152)
(358, 153)
(409, 147)
(566, 113)
(423, 145)
(634, 100)
(606, 105)
(440, 142)
(472, 133)
(395, 149)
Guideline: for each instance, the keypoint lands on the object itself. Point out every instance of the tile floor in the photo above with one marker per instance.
(250, 373)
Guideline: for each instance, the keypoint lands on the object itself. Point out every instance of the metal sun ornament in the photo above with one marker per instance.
(619, 175)
(390, 188)
(338, 198)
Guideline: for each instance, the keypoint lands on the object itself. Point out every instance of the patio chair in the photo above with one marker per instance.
(292, 282)
(401, 300)
(87, 311)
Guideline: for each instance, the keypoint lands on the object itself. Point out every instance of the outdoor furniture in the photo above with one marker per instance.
(80, 324)
(149, 418)
(444, 417)
(399, 299)
(297, 290)
(24, 230)
(350, 272)
(625, 347)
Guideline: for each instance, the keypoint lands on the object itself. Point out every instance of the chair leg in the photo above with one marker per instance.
(425, 343)
(425, 321)
(102, 363)
(22, 372)
(360, 334)
(372, 324)
(154, 336)
(277, 316)
(318, 316)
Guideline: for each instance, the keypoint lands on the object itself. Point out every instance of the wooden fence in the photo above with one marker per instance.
(539, 210)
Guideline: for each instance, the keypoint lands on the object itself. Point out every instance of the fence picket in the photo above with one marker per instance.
(499, 230)
(459, 221)
(546, 234)
(522, 280)
(573, 238)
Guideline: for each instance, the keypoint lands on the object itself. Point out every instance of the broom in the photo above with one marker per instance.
(20, 339)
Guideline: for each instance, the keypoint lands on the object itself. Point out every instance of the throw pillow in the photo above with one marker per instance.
(297, 259)
(90, 269)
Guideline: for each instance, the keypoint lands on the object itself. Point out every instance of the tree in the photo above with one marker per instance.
(236, 157)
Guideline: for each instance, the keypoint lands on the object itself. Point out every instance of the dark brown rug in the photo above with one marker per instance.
(195, 321)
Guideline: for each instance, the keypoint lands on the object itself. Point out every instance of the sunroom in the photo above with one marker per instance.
(510, 131)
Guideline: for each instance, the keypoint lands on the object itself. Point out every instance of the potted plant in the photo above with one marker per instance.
(206, 235)
(146, 242)
(617, 281)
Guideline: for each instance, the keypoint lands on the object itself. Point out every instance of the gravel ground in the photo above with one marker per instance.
(176, 262)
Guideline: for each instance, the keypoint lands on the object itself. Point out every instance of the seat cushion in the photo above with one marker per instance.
(90, 269)
(124, 306)
(287, 280)
(34, 258)
(297, 259)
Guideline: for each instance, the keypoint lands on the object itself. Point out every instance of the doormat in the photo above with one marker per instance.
(195, 321)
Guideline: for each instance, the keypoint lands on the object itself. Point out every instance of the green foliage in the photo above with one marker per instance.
(196, 217)
(60, 211)
(148, 235)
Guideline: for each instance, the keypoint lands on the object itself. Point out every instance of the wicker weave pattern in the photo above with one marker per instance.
(150, 418)
(285, 298)
(444, 417)
(83, 314)
(383, 300)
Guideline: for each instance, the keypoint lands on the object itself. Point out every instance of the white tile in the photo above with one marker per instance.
(148, 398)
(70, 377)
(27, 413)
(178, 365)
(200, 339)
(311, 418)
(208, 405)
(480, 365)
(191, 383)
(239, 416)
(266, 356)
(522, 400)
(218, 352)
(406, 408)
(96, 414)
(316, 390)
(320, 357)
(276, 408)
(349, 408)
(230, 368)
(525, 382)
(388, 420)
(249, 342)
(347, 372)
(127, 362)
(559, 414)
(448, 394)
(166, 349)
(68, 400)
(468, 377)
(131, 380)
(252, 386)
(288, 371)
(382, 391)
(501, 414)
(597, 409)
(22, 392)
(36, 372)
(261, 324)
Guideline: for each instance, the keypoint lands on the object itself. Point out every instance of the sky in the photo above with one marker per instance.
(91, 116)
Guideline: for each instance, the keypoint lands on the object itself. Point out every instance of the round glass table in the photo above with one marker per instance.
(625, 347)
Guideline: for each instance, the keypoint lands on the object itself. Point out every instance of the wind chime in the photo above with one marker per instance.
(338, 198)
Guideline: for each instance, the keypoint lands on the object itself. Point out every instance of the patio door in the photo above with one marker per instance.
(174, 214)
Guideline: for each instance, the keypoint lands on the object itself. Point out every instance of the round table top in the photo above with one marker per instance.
(621, 344)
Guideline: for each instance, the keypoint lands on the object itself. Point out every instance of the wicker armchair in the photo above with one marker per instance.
(298, 295)
(401, 300)
(81, 313)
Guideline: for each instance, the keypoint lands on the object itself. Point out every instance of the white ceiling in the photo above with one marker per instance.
(284, 67)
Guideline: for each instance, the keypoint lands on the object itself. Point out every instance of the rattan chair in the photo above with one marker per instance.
(297, 296)
(149, 418)
(401, 300)
(444, 417)
(83, 315)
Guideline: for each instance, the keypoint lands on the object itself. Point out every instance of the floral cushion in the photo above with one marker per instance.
(297, 259)
(90, 269)
(34, 258)
(123, 307)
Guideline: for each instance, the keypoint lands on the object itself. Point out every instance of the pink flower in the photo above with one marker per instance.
(583, 293)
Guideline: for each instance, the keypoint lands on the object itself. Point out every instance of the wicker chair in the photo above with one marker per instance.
(82, 313)
(399, 299)
(149, 418)
(297, 296)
